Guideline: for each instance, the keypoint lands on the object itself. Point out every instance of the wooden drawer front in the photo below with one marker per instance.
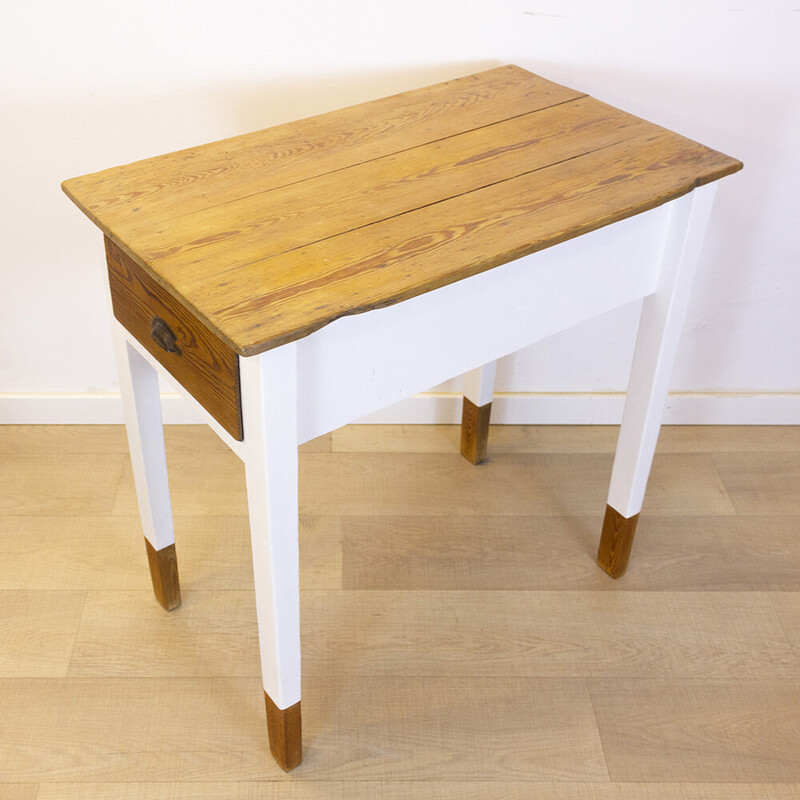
(204, 365)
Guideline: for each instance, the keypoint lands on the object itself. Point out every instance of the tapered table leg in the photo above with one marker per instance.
(269, 411)
(663, 314)
(142, 409)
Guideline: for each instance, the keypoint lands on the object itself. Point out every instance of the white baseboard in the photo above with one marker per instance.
(443, 408)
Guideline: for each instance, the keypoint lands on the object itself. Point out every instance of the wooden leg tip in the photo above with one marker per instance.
(616, 542)
(474, 431)
(285, 734)
(164, 573)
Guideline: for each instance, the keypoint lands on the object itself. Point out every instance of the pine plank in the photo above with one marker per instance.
(37, 632)
(39, 484)
(489, 634)
(203, 729)
(122, 635)
(708, 791)
(328, 790)
(545, 634)
(414, 790)
(482, 553)
(509, 484)
(697, 731)
(55, 553)
(728, 438)
(267, 223)
(761, 484)
(209, 486)
(19, 791)
(219, 172)
(35, 440)
(106, 553)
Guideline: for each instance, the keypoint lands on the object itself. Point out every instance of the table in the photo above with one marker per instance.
(294, 279)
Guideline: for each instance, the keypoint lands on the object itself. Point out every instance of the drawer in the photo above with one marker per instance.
(201, 362)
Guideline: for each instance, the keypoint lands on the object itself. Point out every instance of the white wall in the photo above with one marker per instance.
(89, 84)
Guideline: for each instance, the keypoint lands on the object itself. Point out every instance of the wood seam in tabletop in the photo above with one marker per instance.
(483, 81)
(195, 311)
(665, 166)
(382, 156)
(478, 267)
(157, 263)
(313, 325)
(426, 205)
(278, 220)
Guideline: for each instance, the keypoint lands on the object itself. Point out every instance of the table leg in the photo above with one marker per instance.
(476, 411)
(663, 314)
(269, 411)
(142, 410)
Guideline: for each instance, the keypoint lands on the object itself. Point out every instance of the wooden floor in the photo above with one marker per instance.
(458, 639)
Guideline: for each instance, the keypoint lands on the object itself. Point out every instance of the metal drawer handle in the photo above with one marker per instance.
(163, 336)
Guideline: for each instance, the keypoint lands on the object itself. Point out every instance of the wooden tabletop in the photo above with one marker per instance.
(269, 236)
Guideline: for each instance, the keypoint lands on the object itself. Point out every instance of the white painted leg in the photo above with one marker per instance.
(269, 409)
(663, 315)
(476, 411)
(479, 384)
(142, 411)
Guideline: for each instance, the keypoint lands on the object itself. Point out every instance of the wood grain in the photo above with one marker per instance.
(268, 223)
(204, 365)
(164, 575)
(19, 791)
(414, 790)
(480, 553)
(37, 632)
(501, 633)
(55, 553)
(39, 484)
(224, 171)
(761, 484)
(285, 734)
(699, 730)
(211, 485)
(203, 729)
(270, 236)
(474, 430)
(518, 484)
(65, 439)
(616, 541)
(122, 635)
(787, 607)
